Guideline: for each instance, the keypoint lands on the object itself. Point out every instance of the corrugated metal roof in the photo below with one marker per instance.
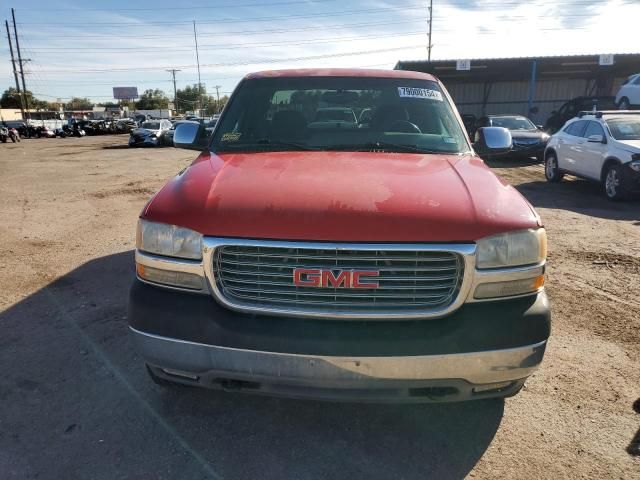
(520, 68)
(539, 57)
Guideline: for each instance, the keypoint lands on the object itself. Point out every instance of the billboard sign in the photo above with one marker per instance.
(125, 93)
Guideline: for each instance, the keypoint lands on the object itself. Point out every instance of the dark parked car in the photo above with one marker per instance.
(470, 121)
(528, 139)
(20, 126)
(574, 106)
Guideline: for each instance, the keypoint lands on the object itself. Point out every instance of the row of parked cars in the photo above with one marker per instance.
(595, 138)
(159, 132)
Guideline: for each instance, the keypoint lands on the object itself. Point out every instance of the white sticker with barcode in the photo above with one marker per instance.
(413, 92)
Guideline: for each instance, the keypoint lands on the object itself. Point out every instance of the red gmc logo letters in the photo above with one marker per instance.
(317, 277)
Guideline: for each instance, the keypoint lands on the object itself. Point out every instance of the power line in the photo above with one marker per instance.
(243, 20)
(233, 45)
(253, 62)
(244, 32)
(199, 7)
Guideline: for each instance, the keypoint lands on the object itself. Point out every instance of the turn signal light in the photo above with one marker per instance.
(510, 288)
(169, 277)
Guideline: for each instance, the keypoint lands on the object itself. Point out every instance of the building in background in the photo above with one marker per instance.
(516, 85)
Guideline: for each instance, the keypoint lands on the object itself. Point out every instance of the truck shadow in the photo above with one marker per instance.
(580, 196)
(77, 403)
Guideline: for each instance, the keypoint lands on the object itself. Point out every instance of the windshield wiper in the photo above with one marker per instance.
(383, 146)
(265, 143)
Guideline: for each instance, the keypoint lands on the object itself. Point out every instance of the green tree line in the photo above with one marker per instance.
(189, 98)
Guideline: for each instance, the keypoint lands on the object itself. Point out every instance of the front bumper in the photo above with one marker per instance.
(479, 351)
(143, 142)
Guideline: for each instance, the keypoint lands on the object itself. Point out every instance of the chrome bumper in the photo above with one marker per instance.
(332, 377)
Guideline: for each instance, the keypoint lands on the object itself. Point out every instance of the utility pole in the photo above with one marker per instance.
(195, 36)
(15, 72)
(21, 63)
(173, 71)
(430, 28)
(218, 95)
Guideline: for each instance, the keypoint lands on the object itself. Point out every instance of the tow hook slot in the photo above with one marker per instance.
(230, 385)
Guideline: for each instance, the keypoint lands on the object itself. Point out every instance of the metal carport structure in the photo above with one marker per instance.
(514, 85)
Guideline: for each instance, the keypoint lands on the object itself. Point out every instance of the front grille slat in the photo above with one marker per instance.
(320, 264)
(261, 277)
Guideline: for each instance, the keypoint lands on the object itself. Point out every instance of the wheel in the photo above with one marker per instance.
(624, 104)
(614, 183)
(551, 170)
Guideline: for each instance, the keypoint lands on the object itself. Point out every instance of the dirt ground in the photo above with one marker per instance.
(76, 402)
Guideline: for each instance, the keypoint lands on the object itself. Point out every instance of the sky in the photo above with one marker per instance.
(84, 49)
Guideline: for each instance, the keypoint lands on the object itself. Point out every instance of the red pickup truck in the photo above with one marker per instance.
(368, 254)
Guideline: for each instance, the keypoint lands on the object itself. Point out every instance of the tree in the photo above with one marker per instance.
(152, 100)
(215, 106)
(11, 99)
(77, 103)
(190, 96)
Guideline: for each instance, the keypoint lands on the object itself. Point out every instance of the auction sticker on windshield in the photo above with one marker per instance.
(413, 92)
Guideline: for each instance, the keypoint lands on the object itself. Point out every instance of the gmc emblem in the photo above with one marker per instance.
(317, 277)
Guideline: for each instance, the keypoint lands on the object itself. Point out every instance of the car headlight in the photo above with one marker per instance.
(512, 249)
(168, 240)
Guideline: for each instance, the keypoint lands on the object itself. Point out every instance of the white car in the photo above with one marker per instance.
(150, 133)
(629, 93)
(599, 146)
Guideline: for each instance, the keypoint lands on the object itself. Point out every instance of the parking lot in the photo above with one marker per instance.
(77, 402)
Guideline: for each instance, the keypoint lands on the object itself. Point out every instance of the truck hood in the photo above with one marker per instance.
(341, 196)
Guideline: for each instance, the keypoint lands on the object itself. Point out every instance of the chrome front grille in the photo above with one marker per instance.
(411, 281)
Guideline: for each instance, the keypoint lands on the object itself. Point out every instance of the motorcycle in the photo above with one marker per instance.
(14, 135)
(4, 134)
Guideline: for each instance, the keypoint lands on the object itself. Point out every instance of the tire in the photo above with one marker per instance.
(551, 171)
(614, 183)
(624, 104)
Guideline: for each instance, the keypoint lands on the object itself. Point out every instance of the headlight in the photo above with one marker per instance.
(511, 249)
(168, 240)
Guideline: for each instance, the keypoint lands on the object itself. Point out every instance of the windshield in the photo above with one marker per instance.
(513, 123)
(625, 128)
(151, 125)
(320, 113)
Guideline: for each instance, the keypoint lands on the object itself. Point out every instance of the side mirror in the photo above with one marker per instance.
(190, 135)
(540, 127)
(492, 141)
(595, 139)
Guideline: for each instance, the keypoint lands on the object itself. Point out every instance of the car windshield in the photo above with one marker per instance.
(625, 128)
(513, 123)
(319, 113)
(151, 125)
